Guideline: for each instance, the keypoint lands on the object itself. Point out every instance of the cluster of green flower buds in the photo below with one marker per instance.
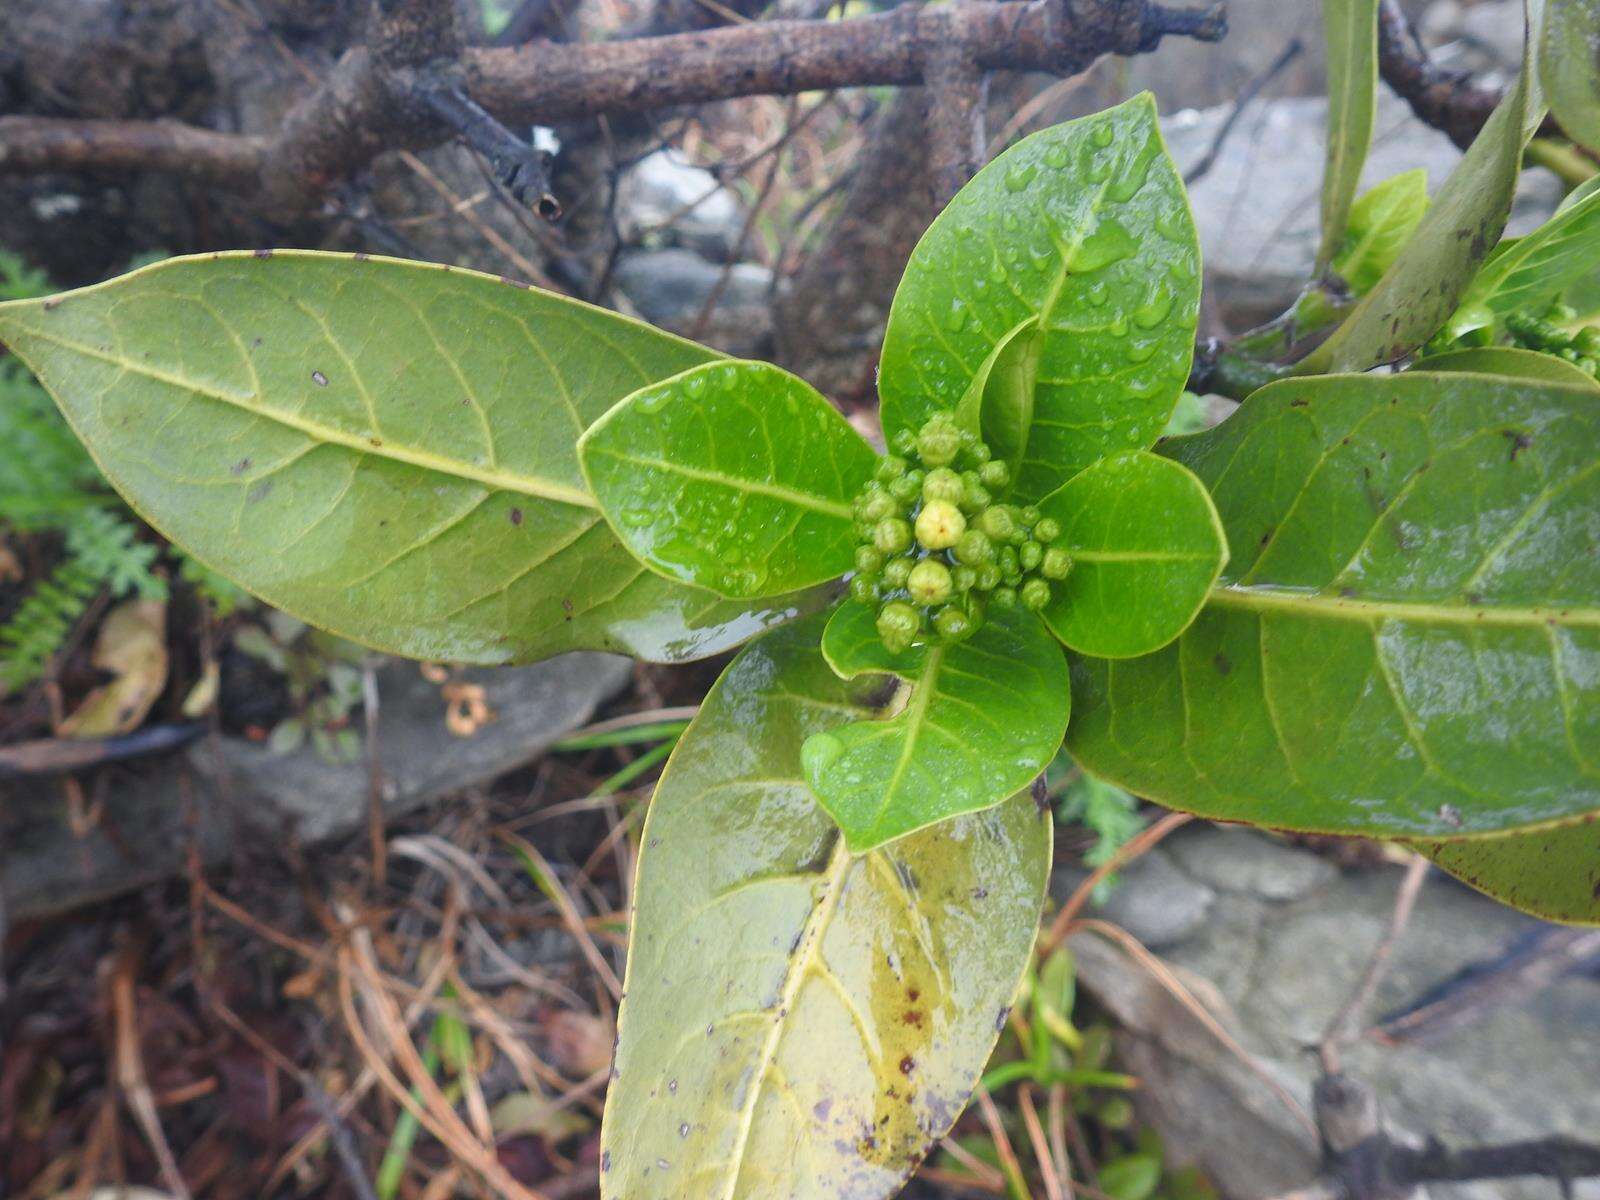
(1546, 333)
(936, 548)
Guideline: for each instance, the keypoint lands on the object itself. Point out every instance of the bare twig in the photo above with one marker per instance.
(1126, 853)
(1346, 1021)
(378, 98)
(1287, 55)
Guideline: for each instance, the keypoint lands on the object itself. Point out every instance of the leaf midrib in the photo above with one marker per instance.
(511, 481)
(1259, 599)
(776, 491)
(800, 967)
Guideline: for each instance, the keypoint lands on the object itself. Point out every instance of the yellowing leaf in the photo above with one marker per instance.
(132, 645)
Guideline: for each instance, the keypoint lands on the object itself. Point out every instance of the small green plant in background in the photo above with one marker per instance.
(1364, 604)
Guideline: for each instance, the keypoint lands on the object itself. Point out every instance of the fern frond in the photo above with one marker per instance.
(39, 627)
(108, 546)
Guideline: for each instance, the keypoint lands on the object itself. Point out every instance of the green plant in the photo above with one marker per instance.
(1363, 604)
(50, 486)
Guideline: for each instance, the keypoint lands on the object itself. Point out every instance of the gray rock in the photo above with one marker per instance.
(669, 287)
(144, 833)
(1153, 900)
(1257, 206)
(663, 197)
(1479, 38)
(1237, 860)
(1274, 971)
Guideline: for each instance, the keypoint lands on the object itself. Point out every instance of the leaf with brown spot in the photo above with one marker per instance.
(768, 979)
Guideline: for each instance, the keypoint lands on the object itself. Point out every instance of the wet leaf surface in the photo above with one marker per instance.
(736, 477)
(1551, 873)
(1086, 227)
(1146, 546)
(1406, 640)
(976, 722)
(385, 449)
(800, 1021)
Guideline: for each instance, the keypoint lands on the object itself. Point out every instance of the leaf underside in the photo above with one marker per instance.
(1510, 362)
(800, 1021)
(734, 476)
(385, 449)
(979, 720)
(1086, 227)
(1407, 639)
(1551, 873)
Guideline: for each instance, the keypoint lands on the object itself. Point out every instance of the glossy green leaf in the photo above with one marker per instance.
(1406, 641)
(975, 722)
(1381, 222)
(801, 1021)
(1510, 362)
(1351, 28)
(1533, 271)
(1420, 290)
(1569, 66)
(385, 449)
(999, 402)
(734, 476)
(1086, 227)
(1146, 546)
(1551, 873)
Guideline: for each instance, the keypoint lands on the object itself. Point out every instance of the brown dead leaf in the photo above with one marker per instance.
(132, 645)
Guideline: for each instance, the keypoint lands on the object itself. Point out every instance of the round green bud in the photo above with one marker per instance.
(1030, 516)
(892, 535)
(904, 442)
(988, 577)
(1590, 365)
(905, 489)
(864, 588)
(1030, 555)
(1007, 559)
(898, 625)
(1048, 529)
(942, 484)
(965, 578)
(976, 454)
(930, 582)
(1056, 564)
(998, 522)
(1568, 353)
(974, 496)
(994, 475)
(939, 441)
(869, 560)
(1587, 341)
(1035, 594)
(896, 571)
(940, 525)
(1003, 597)
(951, 623)
(878, 505)
(974, 548)
(890, 468)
